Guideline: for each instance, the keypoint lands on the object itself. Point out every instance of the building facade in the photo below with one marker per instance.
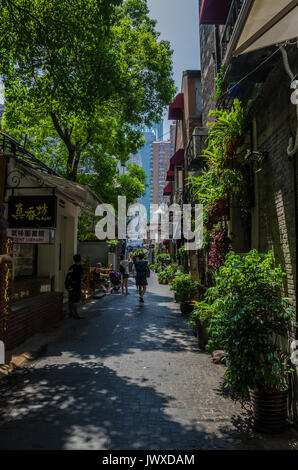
(39, 213)
(159, 163)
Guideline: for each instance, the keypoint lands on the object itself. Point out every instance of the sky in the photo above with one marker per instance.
(178, 22)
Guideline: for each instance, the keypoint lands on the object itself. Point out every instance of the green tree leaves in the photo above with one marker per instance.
(77, 70)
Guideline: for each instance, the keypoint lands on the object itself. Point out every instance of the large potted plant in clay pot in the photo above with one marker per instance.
(252, 322)
(186, 289)
(199, 319)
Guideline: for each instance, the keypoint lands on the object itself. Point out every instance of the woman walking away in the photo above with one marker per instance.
(124, 271)
(73, 286)
(142, 269)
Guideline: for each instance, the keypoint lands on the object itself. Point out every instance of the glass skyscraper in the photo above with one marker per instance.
(151, 134)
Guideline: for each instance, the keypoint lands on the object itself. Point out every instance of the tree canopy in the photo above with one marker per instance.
(81, 77)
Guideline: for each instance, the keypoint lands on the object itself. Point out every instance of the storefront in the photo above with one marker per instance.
(41, 209)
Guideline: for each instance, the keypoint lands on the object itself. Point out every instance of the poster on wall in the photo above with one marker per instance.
(32, 211)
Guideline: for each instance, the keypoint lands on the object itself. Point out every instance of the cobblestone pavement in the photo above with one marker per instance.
(128, 376)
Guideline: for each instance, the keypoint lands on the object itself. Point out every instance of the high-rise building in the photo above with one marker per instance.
(151, 134)
(159, 164)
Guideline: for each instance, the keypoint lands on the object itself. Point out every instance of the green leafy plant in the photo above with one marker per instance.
(219, 179)
(201, 313)
(185, 286)
(164, 259)
(181, 254)
(227, 130)
(167, 273)
(219, 82)
(251, 321)
(112, 244)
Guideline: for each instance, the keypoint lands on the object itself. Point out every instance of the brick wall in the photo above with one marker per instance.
(276, 122)
(209, 70)
(31, 316)
(273, 217)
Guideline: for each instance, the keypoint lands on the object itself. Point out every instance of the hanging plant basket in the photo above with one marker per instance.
(270, 411)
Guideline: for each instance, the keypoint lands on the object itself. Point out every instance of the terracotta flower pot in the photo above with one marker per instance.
(231, 148)
(186, 308)
(202, 336)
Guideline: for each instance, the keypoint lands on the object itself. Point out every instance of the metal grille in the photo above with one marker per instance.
(235, 9)
(196, 145)
(7, 144)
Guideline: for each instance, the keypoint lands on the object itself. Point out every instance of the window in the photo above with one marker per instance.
(25, 260)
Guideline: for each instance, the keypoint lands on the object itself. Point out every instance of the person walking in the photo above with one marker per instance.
(73, 286)
(142, 272)
(124, 271)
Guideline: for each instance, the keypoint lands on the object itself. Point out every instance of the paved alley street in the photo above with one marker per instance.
(128, 376)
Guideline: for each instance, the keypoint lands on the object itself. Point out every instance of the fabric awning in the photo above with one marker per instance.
(177, 159)
(79, 193)
(214, 12)
(168, 189)
(269, 22)
(170, 175)
(176, 108)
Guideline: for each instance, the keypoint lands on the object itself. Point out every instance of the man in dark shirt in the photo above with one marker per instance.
(75, 274)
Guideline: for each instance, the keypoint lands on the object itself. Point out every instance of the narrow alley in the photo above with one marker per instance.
(127, 376)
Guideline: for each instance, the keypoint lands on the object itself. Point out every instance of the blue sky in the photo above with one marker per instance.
(178, 22)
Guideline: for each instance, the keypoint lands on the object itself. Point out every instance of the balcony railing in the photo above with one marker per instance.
(196, 145)
(7, 144)
(228, 30)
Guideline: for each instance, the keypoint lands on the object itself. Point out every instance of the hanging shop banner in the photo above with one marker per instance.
(32, 211)
(36, 236)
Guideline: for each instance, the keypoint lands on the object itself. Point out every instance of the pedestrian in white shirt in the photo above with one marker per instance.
(124, 271)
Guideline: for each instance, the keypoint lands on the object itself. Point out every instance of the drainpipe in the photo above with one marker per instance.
(256, 235)
(292, 153)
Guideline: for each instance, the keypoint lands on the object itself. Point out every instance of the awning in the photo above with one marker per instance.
(177, 159)
(170, 175)
(176, 108)
(78, 193)
(168, 189)
(214, 12)
(269, 22)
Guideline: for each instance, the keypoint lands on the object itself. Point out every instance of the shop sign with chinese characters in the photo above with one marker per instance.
(32, 211)
(23, 235)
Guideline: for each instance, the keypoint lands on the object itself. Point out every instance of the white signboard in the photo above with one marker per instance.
(24, 235)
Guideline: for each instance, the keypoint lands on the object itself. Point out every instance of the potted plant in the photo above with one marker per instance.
(164, 259)
(252, 322)
(166, 274)
(226, 131)
(185, 287)
(199, 318)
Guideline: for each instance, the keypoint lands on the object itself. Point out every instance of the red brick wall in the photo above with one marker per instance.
(31, 316)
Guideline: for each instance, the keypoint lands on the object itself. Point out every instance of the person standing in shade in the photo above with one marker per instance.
(73, 285)
(124, 271)
(141, 267)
